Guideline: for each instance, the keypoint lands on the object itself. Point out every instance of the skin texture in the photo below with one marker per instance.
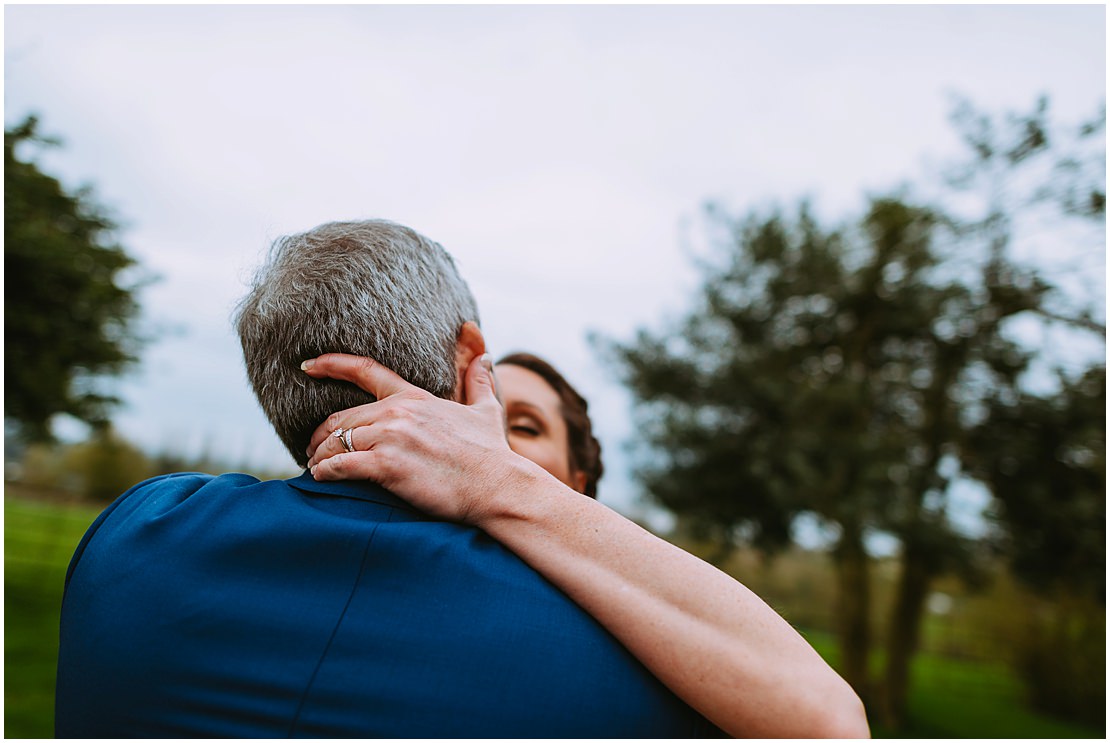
(713, 642)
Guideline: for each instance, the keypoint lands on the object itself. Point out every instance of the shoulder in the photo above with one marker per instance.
(188, 482)
(167, 491)
(157, 494)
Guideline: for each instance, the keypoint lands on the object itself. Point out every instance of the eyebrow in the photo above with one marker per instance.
(530, 406)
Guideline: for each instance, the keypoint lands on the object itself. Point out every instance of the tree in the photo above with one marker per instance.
(68, 316)
(1024, 169)
(837, 372)
(822, 373)
(1044, 458)
(1043, 455)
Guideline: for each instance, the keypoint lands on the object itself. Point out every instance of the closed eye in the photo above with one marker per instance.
(523, 424)
(524, 430)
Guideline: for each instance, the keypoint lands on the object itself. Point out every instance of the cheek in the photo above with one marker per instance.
(543, 453)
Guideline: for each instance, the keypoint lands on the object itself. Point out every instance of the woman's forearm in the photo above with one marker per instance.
(713, 642)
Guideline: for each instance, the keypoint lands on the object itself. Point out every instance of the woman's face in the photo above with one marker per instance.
(537, 429)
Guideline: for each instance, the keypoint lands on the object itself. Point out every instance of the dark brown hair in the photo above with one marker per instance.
(584, 450)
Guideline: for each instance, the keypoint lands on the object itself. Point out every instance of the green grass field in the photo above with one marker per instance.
(39, 539)
(950, 698)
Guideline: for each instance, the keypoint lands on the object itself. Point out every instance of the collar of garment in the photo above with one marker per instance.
(359, 489)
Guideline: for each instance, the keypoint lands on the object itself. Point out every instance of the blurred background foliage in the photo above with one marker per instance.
(70, 301)
(855, 375)
(858, 374)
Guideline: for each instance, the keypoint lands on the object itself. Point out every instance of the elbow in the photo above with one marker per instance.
(835, 713)
(846, 719)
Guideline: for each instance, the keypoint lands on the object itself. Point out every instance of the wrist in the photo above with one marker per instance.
(512, 493)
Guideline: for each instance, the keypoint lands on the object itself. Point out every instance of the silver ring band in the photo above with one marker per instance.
(348, 441)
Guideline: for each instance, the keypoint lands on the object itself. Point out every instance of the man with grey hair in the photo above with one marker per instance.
(229, 607)
(374, 288)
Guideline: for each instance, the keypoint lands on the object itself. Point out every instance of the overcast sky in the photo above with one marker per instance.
(560, 153)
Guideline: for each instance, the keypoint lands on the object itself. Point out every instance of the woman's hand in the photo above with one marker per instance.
(445, 458)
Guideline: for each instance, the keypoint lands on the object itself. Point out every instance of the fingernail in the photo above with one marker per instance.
(306, 365)
(312, 470)
(487, 361)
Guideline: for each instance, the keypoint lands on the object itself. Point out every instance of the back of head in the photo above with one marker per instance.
(371, 288)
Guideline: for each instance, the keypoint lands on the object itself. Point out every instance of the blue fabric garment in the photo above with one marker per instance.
(201, 606)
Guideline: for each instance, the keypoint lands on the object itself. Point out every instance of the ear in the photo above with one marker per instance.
(470, 345)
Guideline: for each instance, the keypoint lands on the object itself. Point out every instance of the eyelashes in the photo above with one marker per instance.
(524, 425)
(525, 431)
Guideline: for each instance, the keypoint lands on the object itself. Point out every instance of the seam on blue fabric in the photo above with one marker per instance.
(327, 648)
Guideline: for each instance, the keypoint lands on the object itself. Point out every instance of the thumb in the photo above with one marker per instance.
(480, 384)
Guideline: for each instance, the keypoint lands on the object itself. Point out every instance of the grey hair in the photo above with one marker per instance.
(372, 288)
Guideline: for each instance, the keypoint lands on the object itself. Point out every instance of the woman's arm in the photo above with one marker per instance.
(713, 642)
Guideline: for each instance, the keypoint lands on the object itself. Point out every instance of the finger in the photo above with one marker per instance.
(361, 415)
(359, 465)
(361, 370)
(479, 384)
(330, 447)
(335, 445)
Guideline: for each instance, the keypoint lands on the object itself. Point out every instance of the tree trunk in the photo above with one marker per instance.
(903, 635)
(854, 610)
